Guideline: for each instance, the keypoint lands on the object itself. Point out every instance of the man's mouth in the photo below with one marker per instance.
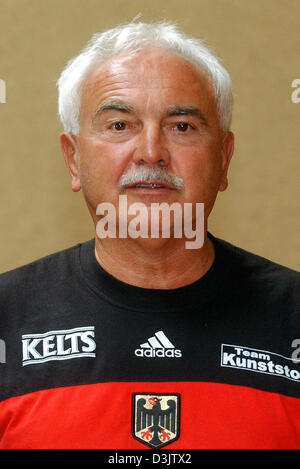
(149, 185)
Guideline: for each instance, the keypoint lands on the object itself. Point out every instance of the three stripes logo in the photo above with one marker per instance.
(158, 346)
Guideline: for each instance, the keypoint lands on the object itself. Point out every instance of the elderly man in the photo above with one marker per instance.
(141, 337)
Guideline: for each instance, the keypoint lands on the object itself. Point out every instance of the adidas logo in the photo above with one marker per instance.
(158, 346)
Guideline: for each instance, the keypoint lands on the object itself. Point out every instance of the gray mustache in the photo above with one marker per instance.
(150, 175)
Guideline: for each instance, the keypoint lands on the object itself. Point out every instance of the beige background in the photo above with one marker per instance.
(259, 43)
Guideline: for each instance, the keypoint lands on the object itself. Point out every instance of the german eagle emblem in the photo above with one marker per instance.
(155, 419)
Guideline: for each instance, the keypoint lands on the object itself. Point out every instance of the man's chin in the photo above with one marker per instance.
(157, 244)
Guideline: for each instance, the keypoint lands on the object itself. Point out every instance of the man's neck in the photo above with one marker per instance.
(156, 264)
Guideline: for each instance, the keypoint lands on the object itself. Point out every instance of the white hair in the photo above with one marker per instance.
(131, 38)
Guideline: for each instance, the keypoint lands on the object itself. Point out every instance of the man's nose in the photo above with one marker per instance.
(151, 147)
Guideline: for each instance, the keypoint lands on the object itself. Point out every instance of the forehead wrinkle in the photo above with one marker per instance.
(150, 63)
(102, 86)
(135, 78)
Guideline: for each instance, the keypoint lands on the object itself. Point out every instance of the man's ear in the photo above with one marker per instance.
(227, 152)
(71, 155)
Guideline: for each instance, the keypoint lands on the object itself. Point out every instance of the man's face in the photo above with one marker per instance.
(151, 109)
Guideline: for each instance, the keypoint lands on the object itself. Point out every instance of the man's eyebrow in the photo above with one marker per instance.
(186, 111)
(112, 105)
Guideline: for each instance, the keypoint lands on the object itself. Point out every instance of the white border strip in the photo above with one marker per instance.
(60, 332)
(258, 350)
(60, 357)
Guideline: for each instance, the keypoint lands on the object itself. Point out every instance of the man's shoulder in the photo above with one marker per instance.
(53, 266)
(251, 265)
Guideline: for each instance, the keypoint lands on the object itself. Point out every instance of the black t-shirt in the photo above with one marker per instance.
(91, 362)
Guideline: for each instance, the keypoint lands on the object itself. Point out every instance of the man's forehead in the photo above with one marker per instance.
(153, 81)
(150, 67)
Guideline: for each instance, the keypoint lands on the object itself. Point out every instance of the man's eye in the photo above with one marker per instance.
(119, 126)
(183, 126)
